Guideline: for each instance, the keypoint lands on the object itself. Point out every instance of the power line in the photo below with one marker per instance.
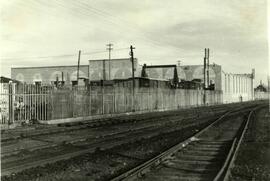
(59, 56)
(87, 10)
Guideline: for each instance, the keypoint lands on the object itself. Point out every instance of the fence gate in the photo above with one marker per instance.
(21, 102)
(4, 103)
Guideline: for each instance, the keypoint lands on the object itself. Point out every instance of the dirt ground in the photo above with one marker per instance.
(253, 161)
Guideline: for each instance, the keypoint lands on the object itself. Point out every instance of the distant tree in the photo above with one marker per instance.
(261, 88)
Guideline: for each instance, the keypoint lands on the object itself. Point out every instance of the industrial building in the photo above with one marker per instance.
(235, 87)
(105, 69)
(96, 70)
(186, 73)
(49, 74)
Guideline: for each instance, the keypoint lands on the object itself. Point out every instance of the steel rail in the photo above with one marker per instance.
(53, 144)
(78, 127)
(143, 168)
(231, 158)
(227, 161)
(7, 171)
(90, 148)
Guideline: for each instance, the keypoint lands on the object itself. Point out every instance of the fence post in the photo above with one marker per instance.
(113, 99)
(11, 115)
(148, 97)
(124, 99)
(90, 101)
(102, 98)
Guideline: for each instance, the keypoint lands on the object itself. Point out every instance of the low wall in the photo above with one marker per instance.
(236, 97)
(261, 95)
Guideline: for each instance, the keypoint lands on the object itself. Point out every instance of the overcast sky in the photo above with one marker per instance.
(51, 32)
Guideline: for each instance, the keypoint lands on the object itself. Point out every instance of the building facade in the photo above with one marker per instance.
(237, 87)
(49, 74)
(187, 73)
(95, 71)
(114, 69)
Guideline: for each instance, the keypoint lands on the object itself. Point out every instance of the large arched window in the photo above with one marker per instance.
(20, 77)
(122, 73)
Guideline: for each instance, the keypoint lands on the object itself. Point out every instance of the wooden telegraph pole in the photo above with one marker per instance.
(204, 69)
(133, 79)
(204, 80)
(207, 57)
(110, 49)
(78, 68)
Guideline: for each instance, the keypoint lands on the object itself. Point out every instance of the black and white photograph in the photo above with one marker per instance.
(151, 90)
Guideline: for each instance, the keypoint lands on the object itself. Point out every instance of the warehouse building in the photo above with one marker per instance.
(235, 87)
(49, 74)
(238, 87)
(186, 73)
(96, 70)
(112, 69)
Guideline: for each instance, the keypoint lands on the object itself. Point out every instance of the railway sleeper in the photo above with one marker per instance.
(177, 174)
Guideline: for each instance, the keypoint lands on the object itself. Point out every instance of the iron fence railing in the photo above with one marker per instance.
(24, 102)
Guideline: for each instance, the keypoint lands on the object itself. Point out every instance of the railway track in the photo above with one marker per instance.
(23, 133)
(204, 156)
(7, 150)
(40, 136)
(13, 163)
(75, 148)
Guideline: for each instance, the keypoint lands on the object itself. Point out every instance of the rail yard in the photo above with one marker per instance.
(134, 90)
(180, 144)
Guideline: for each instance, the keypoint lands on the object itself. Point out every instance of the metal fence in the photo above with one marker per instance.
(23, 102)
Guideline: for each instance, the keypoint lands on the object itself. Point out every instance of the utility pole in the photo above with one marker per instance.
(204, 87)
(78, 68)
(204, 68)
(104, 70)
(62, 83)
(207, 67)
(110, 49)
(133, 80)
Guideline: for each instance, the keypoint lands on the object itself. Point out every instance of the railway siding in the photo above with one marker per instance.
(252, 162)
(108, 154)
(148, 139)
(178, 162)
